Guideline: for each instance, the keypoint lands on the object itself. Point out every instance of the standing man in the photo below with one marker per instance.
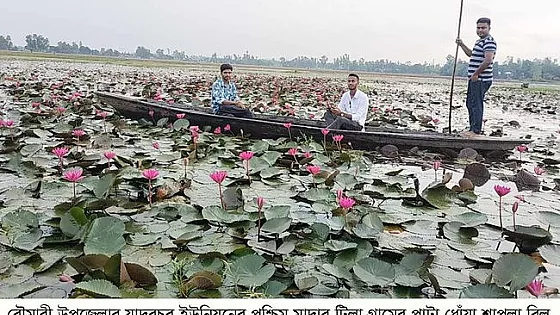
(352, 108)
(225, 100)
(479, 73)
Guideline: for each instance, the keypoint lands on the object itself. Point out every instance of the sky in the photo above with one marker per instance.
(398, 30)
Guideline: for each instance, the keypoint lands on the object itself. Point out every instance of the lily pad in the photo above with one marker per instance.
(485, 291)
(251, 271)
(99, 288)
(374, 271)
(515, 270)
(105, 237)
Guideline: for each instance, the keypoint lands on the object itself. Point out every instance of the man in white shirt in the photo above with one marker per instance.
(352, 109)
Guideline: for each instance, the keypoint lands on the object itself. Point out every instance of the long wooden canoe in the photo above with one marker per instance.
(272, 127)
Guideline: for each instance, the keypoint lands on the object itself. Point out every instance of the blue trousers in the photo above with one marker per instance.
(475, 103)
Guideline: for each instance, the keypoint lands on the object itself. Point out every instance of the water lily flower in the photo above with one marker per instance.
(218, 130)
(180, 116)
(435, 121)
(73, 175)
(538, 170)
(293, 152)
(35, 105)
(246, 156)
(521, 148)
(78, 133)
(227, 127)
(346, 204)
(9, 123)
(337, 138)
(307, 155)
(313, 169)
(102, 114)
(324, 131)
(193, 129)
(501, 191)
(339, 195)
(535, 287)
(150, 174)
(288, 126)
(109, 155)
(155, 145)
(151, 113)
(60, 110)
(65, 278)
(60, 153)
(218, 177)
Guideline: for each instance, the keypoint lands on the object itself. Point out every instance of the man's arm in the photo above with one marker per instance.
(464, 47)
(361, 113)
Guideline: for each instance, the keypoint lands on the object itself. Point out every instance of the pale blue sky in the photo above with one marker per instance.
(405, 30)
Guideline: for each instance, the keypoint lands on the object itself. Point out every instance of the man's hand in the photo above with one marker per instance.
(240, 104)
(336, 111)
(474, 77)
(459, 42)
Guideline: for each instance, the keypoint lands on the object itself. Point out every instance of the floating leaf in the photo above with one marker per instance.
(251, 271)
(374, 271)
(99, 288)
(551, 253)
(105, 237)
(277, 225)
(485, 291)
(515, 270)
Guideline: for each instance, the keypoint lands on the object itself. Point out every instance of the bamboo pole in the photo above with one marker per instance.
(455, 67)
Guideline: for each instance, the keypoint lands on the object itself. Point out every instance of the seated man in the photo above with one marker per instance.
(225, 100)
(352, 109)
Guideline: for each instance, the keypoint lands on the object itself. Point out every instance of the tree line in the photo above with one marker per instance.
(520, 69)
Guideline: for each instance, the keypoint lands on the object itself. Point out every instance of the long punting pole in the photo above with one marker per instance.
(455, 66)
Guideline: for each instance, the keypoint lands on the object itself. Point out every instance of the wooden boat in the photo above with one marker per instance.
(272, 127)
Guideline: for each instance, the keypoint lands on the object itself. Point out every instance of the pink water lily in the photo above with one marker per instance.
(60, 153)
(521, 148)
(102, 114)
(501, 191)
(337, 138)
(218, 131)
(324, 131)
(293, 151)
(9, 123)
(150, 174)
(60, 110)
(155, 145)
(218, 177)
(288, 126)
(227, 127)
(520, 198)
(535, 287)
(194, 129)
(538, 170)
(313, 169)
(109, 155)
(307, 155)
(73, 175)
(246, 156)
(78, 133)
(180, 116)
(339, 195)
(151, 113)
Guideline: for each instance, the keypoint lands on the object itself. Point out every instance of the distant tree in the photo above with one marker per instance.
(6, 43)
(36, 43)
(143, 52)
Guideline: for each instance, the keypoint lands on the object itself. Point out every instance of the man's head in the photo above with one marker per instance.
(483, 27)
(227, 71)
(353, 81)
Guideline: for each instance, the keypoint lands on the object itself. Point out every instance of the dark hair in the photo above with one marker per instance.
(226, 66)
(483, 20)
(354, 75)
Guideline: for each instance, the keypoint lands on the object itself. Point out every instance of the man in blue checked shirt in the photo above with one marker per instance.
(480, 74)
(225, 100)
